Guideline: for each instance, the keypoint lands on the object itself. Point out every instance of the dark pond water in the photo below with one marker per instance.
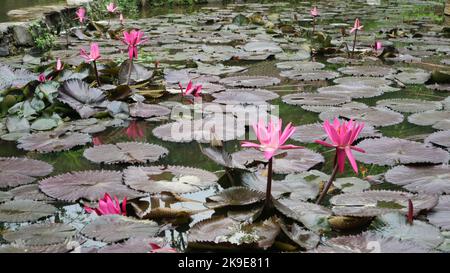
(7, 5)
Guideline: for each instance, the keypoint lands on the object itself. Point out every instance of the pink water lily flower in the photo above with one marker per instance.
(59, 65)
(109, 206)
(314, 12)
(271, 138)
(42, 78)
(357, 26)
(377, 46)
(111, 7)
(81, 14)
(132, 39)
(121, 19)
(93, 56)
(191, 89)
(134, 130)
(342, 136)
(158, 249)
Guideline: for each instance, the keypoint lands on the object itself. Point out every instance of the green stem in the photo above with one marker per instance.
(129, 71)
(96, 74)
(269, 202)
(329, 183)
(354, 43)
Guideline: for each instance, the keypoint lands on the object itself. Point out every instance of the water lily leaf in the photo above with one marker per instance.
(410, 105)
(300, 66)
(391, 151)
(373, 203)
(229, 233)
(304, 238)
(430, 179)
(20, 171)
(218, 69)
(371, 71)
(234, 196)
(250, 81)
(176, 179)
(18, 211)
(290, 161)
(309, 76)
(441, 139)
(41, 234)
(374, 116)
(439, 87)
(353, 91)
(421, 233)
(342, 60)
(19, 247)
(438, 119)
(81, 98)
(413, 76)
(72, 75)
(369, 242)
(312, 216)
(219, 127)
(144, 110)
(241, 96)
(5, 196)
(133, 245)
(299, 55)
(53, 141)
(15, 124)
(311, 132)
(440, 215)
(46, 123)
(30, 192)
(262, 47)
(89, 185)
(125, 152)
(377, 82)
(351, 184)
(138, 73)
(14, 78)
(315, 99)
(114, 228)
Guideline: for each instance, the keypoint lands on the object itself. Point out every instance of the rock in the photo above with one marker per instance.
(22, 36)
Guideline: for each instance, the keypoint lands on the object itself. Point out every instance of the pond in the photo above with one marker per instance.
(8, 5)
(186, 183)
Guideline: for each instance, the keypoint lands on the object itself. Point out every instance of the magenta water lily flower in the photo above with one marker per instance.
(377, 46)
(314, 12)
(159, 249)
(134, 130)
(133, 39)
(111, 7)
(59, 65)
(356, 26)
(42, 78)
(342, 136)
(108, 206)
(93, 55)
(81, 14)
(271, 138)
(191, 89)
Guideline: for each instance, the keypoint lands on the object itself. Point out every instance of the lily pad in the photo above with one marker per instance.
(300, 66)
(441, 139)
(262, 47)
(437, 119)
(304, 238)
(373, 203)
(413, 76)
(114, 228)
(176, 179)
(250, 81)
(18, 211)
(125, 152)
(20, 171)
(242, 96)
(234, 196)
(55, 141)
(440, 215)
(138, 73)
(392, 151)
(5, 196)
(89, 185)
(375, 116)
(145, 110)
(371, 71)
(16, 78)
(41, 234)
(133, 245)
(351, 184)
(430, 179)
(80, 97)
(30, 192)
(315, 99)
(410, 105)
(309, 76)
(353, 91)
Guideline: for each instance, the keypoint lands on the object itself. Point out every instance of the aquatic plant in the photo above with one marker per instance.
(314, 13)
(356, 26)
(133, 39)
(108, 206)
(271, 139)
(92, 57)
(81, 15)
(191, 89)
(342, 136)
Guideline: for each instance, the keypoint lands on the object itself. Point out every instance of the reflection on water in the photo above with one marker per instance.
(8, 5)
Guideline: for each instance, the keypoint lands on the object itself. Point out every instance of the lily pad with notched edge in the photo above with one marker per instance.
(437, 119)
(134, 245)
(371, 71)
(234, 196)
(125, 152)
(114, 228)
(249, 81)
(41, 234)
(373, 203)
(351, 184)
(440, 215)
(55, 141)
(353, 91)
(138, 73)
(392, 151)
(423, 179)
(410, 105)
(304, 238)
(145, 110)
(375, 116)
(5, 196)
(309, 76)
(242, 96)
(89, 185)
(315, 99)
(25, 211)
(14, 78)
(176, 179)
(440, 139)
(20, 171)
(30, 192)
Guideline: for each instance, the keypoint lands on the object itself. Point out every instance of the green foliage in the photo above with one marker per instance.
(43, 37)
(97, 9)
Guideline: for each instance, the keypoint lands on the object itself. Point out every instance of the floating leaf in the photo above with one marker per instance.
(5, 196)
(250, 81)
(25, 211)
(315, 99)
(308, 76)
(176, 179)
(127, 152)
(351, 184)
(41, 234)
(300, 66)
(430, 179)
(372, 71)
(55, 141)
(262, 47)
(144, 110)
(20, 171)
(234, 196)
(114, 228)
(441, 139)
(391, 151)
(29, 192)
(89, 185)
(410, 105)
(133, 245)
(304, 238)
(80, 97)
(373, 115)
(352, 91)
(242, 96)
(413, 76)
(138, 73)
(440, 215)
(438, 119)
(14, 78)
(373, 203)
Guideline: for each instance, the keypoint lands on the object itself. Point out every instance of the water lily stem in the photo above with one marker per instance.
(269, 203)
(129, 71)
(313, 25)
(354, 43)
(96, 74)
(329, 183)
